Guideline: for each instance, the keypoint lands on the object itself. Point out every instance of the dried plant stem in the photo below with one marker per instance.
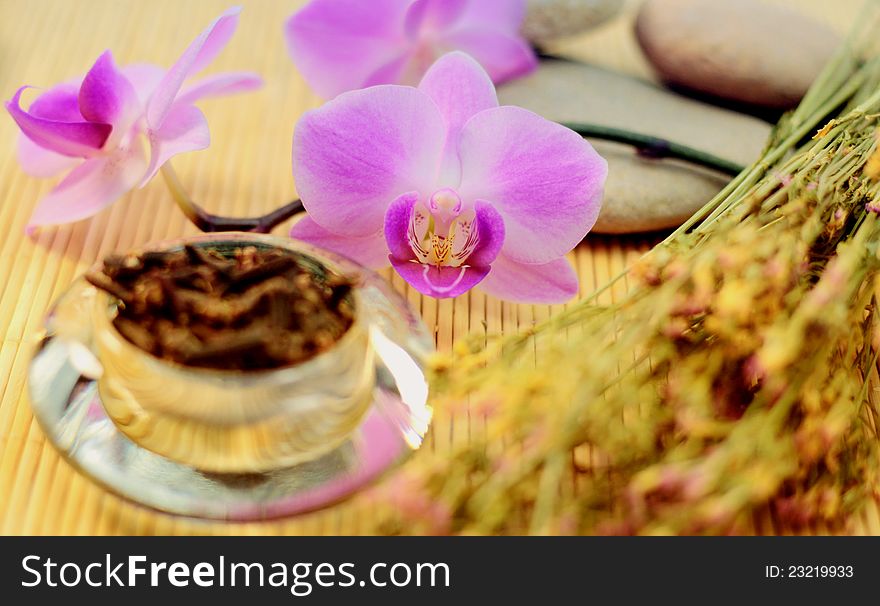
(655, 147)
(214, 223)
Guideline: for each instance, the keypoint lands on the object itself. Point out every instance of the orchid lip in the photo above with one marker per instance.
(443, 289)
(443, 232)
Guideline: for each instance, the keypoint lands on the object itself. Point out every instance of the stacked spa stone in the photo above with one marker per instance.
(747, 51)
(548, 20)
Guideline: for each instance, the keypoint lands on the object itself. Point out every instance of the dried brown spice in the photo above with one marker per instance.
(246, 308)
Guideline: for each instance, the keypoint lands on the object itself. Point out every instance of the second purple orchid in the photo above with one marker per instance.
(342, 45)
(94, 126)
(449, 188)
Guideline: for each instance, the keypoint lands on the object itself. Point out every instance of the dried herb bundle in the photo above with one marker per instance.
(730, 381)
(247, 309)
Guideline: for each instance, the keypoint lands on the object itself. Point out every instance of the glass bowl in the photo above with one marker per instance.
(237, 421)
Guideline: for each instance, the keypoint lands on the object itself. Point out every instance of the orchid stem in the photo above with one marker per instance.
(646, 145)
(207, 222)
(655, 147)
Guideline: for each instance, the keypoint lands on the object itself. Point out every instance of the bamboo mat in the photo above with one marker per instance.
(245, 172)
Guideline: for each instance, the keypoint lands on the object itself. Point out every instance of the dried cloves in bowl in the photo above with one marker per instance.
(233, 353)
(242, 308)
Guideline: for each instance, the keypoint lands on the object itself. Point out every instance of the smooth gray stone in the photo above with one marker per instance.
(746, 51)
(641, 194)
(548, 20)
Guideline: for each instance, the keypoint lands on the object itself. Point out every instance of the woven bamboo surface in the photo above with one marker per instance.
(245, 172)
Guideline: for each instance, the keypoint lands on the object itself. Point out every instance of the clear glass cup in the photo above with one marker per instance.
(228, 421)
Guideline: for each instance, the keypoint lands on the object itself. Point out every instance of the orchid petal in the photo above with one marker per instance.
(399, 69)
(144, 77)
(490, 230)
(339, 44)
(439, 282)
(397, 222)
(433, 15)
(504, 15)
(201, 52)
(184, 129)
(504, 55)
(90, 187)
(553, 282)
(354, 155)
(214, 39)
(461, 89)
(107, 96)
(59, 103)
(75, 139)
(368, 250)
(543, 178)
(218, 85)
(39, 162)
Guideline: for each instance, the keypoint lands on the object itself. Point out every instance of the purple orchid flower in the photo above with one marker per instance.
(94, 126)
(449, 187)
(342, 45)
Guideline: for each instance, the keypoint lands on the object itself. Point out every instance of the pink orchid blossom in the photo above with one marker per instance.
(95, 126)
(342, 45)
(449, 187)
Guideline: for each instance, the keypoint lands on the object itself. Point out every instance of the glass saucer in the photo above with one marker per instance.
(68, 407)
